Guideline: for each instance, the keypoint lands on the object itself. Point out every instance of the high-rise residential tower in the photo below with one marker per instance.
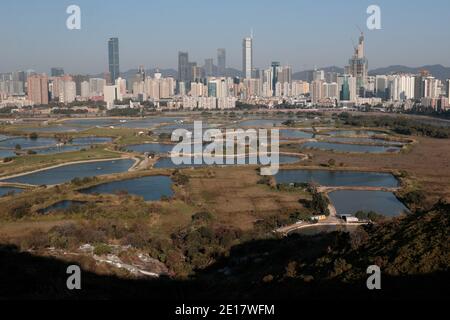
(448, 88)
(38, 89)
(430, 87)
(113, 56)
(67, 91)
(317, 91)
(247, 57)
(285, 74)
(401, 87)
(85, 89)
(96, 87)
(381, 86)
(221, 62)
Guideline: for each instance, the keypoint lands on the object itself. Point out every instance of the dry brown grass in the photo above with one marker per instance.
(235, 198)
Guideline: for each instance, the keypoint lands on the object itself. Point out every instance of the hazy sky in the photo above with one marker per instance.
(302, 33)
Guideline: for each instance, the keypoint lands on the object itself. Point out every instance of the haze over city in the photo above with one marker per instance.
(302, 34)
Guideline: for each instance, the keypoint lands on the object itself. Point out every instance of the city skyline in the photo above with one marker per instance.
(322, 40)
(209, 86)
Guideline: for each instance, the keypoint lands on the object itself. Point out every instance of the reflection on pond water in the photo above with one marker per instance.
(295, 134)
(364, 141)
(151, 188)
(67, 173)
(26, 143)
(7, 153)
(352, 148)
(338, 178)
(8, 190)
(350, 202)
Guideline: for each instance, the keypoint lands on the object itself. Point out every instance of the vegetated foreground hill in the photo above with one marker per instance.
(413, 253)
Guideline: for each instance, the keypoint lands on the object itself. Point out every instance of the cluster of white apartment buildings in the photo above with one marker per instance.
(155, 88)
(209, 103)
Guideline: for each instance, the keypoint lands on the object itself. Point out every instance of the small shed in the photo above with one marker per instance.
(351, 219)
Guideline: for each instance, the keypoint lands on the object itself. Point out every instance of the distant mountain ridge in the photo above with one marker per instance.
(437, 70)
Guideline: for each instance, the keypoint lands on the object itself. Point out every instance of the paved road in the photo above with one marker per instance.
(288, 229)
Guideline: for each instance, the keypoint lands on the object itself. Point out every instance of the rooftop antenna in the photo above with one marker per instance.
(251, 33)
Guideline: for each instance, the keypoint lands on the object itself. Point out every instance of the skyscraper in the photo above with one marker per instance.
(275, 69)
(209, 67)
(247, 57)
(183, 66)
(195, 73)
(38, 89)
(141, 73)
(221, 62)
(113, 55)
(358, 66)
(347, 88)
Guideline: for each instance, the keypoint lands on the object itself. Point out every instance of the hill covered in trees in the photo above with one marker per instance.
(412, 252)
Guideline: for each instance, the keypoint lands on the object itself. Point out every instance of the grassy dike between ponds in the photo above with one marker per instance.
(29, 164)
